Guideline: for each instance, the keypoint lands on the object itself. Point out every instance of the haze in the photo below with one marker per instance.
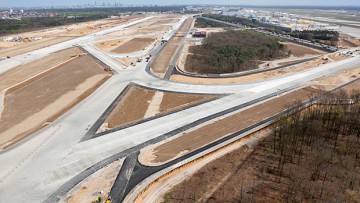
(31, 3)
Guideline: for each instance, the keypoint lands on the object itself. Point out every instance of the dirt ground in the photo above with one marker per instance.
(31, 46)
(131, 108)
(136, 44)
(23, 72)
(163, 61)
(300, 51)
(58, 34)
(329, 83)
(109, 45)
(98, 184)
(135, 104)
(347, 41)
(193, 139)
(32, 104)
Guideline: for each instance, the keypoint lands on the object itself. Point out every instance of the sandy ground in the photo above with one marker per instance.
(23, 72)
(111, 44)
(160, 188)
(31, 104)
(126, 61)
(193, 139)
(133, 45)
(329, 83)
(58, 34)
(98, 184)
(300, 51)
(163, 61)
(139, 103)
(131, 108)
(346, 42)
(31, 46)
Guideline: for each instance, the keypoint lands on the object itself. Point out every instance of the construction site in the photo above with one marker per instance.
(109, 111)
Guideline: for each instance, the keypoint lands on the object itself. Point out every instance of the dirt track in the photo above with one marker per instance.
(135, 104)
(29, 105)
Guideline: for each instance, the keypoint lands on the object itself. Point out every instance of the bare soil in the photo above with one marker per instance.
(110, 44)
(136, 44)
(23, 72)
(300, 51)
(197, 138)
(163, 61)
(30, 105)
(349, 42)
(174, 101)
(31, 46)
(134, 105)
(131, 108)
(331, 82)
(97, 185)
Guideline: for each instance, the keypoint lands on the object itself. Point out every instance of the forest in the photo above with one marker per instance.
(310, 155)
(203, 23)
(318, 150)
(232, 19)
(29, 24)
(325, 36)
(233, 51)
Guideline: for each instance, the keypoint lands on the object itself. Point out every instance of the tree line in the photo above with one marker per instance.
(326, 36)
(27, 24)
(203, 23)
(233, 51)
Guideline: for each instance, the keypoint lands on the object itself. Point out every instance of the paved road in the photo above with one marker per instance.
(51, 157)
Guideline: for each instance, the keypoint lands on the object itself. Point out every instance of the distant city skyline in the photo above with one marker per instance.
(48, 3)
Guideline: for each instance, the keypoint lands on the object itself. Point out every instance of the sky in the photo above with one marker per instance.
(31, 3)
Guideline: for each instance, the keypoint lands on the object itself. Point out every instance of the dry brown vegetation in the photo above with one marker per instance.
(312, 156)
(31, 104)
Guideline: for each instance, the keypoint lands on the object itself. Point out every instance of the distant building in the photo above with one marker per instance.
(199, 34)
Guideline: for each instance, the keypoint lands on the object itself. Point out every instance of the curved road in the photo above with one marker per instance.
(38, 166)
